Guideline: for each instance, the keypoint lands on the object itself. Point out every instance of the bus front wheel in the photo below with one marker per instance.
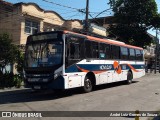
(87, 85)
(129, 77)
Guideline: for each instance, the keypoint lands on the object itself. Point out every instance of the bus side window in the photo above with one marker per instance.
(115, 52)
(102, 51)
(108, 50)
(88, 49)
(131, 54)
(142, 55)
(138, 55)
(82, 49)
(124, 53)
(95, 49)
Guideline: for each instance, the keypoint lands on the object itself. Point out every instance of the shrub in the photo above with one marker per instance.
(8, 80)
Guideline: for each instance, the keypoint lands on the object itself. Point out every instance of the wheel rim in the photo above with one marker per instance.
(130, 78)
(130, 81)
(88, 84)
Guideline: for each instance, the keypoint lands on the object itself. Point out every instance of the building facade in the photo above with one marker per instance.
(23, 19)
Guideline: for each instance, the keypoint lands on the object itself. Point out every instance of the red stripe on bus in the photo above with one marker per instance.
(95, 72)
(105, 40)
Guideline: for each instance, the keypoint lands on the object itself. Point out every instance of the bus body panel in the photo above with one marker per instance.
(105, 70)
(104, 73)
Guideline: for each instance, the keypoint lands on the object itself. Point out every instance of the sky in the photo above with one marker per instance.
(95, 7)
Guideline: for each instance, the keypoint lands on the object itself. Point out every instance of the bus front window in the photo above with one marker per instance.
(44, 54)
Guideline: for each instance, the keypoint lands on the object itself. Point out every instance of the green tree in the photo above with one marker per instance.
(133, 18)
(10, 54)
(20, 62)
(8, 51)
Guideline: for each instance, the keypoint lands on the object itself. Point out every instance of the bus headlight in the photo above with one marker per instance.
(57, 74)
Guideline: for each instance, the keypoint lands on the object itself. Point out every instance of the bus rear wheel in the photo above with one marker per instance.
(129, 78)
(87, 85)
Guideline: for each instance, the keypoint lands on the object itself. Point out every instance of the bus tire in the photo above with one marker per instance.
(88, 85)
(129, 77)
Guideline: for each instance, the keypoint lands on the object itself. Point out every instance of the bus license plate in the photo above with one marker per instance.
(37, 87)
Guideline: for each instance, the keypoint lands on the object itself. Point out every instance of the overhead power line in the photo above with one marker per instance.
(60, 5)
(102, 12)
(64, 6)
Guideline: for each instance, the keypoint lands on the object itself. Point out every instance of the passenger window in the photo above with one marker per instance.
(108, 51)
(138, 55)
(131, 54)
(104, 51)
(88, 49)
(124, 53)
(115, 52)
(142, 55)
(95, 49)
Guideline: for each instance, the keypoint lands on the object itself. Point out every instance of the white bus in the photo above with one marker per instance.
(64, 60)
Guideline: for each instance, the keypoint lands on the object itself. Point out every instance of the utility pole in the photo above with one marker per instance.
(156, 52)
(86, 20)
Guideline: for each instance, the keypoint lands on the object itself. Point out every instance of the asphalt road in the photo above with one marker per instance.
(142, 95)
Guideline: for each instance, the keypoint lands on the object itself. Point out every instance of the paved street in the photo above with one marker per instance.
(142, 95)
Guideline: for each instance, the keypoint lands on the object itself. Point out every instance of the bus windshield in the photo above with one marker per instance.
(44, 54)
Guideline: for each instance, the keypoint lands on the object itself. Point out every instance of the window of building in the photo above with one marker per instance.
(31, 27)
(124, 53)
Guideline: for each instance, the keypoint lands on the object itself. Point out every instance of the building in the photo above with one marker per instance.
(23, 19)
(104, 21)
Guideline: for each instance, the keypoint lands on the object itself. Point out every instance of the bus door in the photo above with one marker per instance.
(74, 54)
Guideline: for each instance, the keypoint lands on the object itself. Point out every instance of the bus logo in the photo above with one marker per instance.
(117, 67)
(106, 67)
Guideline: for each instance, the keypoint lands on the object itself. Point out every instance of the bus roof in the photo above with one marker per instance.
(109, 41)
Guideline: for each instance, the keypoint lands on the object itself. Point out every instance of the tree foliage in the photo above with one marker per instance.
(133, 18)
(8, 51)
(10, 54)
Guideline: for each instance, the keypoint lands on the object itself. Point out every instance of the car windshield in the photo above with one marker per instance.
(43, 54)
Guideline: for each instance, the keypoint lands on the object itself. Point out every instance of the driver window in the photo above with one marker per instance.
(51, 48)
(73, 50)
